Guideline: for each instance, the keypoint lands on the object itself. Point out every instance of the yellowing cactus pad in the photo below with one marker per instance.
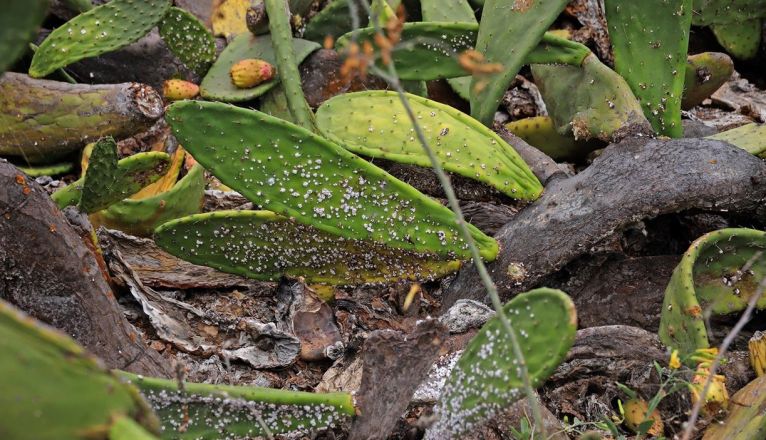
(375, 124)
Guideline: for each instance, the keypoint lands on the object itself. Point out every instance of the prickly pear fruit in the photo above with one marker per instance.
(749, 137)
(590, 101)
(442, 43)
(53, 390)
(650, 43)
(521, 27)
(746, 419)
(188, 39)
(217, 84)
(540, 132)
(711, 277)
(18, 25)
(265, 246)
(141, 216)
(637, 414)
(716, 401)
(211, 412)
(178, 89)
(370, 124)
(293, 172)
(100, 30)
(486, 378)
(257, 20)
(705, 73)
(756, 346)
(75, 114)
(249, 73)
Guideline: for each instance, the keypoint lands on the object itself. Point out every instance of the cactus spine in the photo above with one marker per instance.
(650, 41)
(369, 123)
(521, 27)
(485, 379)
(293, 172)
(100, 30)
(287, 64)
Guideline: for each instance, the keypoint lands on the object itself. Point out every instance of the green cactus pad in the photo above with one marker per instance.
(291, 171)
(287, 63)
(107, 182)
(274, 103)
(540, 132)
(440, 44)
(217, 83)
(100, 30)
(650, 45)
(18, 26)
(188, 39)
(212, 412)
(750, 137)
(742, 39)
(451, 11)
(746, 420)
(705, 73)
(48, 170)
(132, 174)
(333, 20)
(705, 280)
(265, 246)
(141, 217)
(53, 390)
(127, 429)
(589, 102)
(733, 12)
(374, 124)
(507, 34)
(486, 378)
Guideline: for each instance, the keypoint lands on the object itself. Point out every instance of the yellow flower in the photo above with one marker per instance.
(675, 362)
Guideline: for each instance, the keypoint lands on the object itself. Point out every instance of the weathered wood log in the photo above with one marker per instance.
(47, 270)
(42, 120)
(630, 181)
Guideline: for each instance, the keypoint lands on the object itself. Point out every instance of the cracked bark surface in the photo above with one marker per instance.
(632, 180)
(47, 270)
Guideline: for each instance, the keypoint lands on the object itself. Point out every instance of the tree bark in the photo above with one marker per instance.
(630, 181)
(49, 271)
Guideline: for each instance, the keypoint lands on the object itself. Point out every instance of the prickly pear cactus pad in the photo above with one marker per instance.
(291, 171)
(750, 137)
(441, 43)
(266, 246)
(133, 173)
(106, 182)
(485, 379)
(374, 124)
(650, 41)
(333, 20)
(100, 30)
(591, 101)
(18, 25)
(705, 73)
(449, 11)
(507, 33)
(712, 276)
(214, 412)
(707, 12)
(742, 39)
(189, 40)
(540, 132)
(141, 216)
(217, 83)
(53, 390)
